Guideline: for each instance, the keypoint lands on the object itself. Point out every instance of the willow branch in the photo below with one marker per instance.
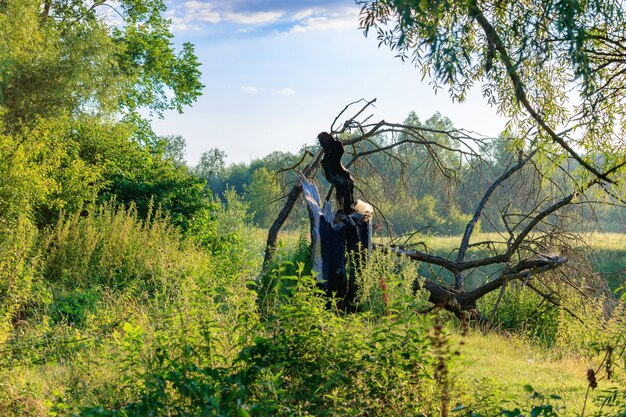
(520, 93)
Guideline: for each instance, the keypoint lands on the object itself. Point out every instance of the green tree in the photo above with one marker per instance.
(72, 82)
(174, 149)
(261, 194)
(548, 66)
(211, 168)
(61, 57)
(158, 184)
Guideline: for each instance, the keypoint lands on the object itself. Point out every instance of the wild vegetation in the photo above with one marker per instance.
(134, 285)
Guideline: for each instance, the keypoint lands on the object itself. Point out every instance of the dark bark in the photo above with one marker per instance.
(344, 237)
(366, 132)
(459, 277)
(336, 173)
(292, 197)
(459, 302)
(339, 239)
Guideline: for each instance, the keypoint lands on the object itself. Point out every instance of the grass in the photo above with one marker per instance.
(212, 302)
(608, 256)
(606, 253)
(508, 363)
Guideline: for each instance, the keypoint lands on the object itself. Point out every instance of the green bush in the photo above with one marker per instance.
(18, 273)
(408, 214)
(303, 359)
(524, 311)
(113, 248)
(73, 306)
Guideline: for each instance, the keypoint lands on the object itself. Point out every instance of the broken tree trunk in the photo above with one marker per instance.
(341, 240)
(460, 302)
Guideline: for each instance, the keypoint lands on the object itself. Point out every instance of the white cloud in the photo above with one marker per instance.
(261, 18)
(303, 14)
(194, 14)
(180, 25)
(345, 19)
(200, 11)
(285, 91)
(249, 89)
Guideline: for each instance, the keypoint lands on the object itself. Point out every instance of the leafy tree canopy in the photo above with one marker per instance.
(91, 57)
(75, 77)
(174, 149)
(554, 68)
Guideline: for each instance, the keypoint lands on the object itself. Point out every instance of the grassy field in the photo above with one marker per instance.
(120, 328)
(500, 368)
(510, 364)
(605, 252)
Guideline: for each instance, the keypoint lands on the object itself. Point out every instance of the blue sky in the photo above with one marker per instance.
(276, 73)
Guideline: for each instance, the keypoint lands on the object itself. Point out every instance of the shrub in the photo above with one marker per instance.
(524, 311)
(112, 247)
(18, 273)
(300, 358)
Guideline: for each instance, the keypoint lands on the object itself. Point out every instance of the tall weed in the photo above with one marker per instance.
(18, 273)
(112, 247)
(304, 359)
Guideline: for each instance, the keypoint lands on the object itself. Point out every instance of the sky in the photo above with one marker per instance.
(276, 73)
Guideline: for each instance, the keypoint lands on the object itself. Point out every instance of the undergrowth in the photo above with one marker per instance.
(113, 315)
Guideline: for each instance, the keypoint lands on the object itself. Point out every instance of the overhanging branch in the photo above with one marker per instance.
(495, 41)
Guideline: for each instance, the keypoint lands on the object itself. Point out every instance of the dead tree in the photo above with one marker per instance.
(339, 240)
(338, 237)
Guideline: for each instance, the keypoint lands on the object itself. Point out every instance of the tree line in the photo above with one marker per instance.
(407, 185)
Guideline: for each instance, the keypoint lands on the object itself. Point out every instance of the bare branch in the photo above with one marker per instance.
(483, 202)
(348, 123)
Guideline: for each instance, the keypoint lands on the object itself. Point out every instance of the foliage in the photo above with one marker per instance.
(221, 228)
(543, 64)
(110, 247)
(87, 276)
(156, 182)
(18, 274)
(174, 149)
(304, 359)
(71, 84)
(69, 57)
(140, 319)
(415, 189)
(524, 311)
(126, 289)
(408, 214)
(263, 193)
(211, 168)
(259, 182)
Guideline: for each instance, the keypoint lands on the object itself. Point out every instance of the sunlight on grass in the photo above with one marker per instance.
(508, 364)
